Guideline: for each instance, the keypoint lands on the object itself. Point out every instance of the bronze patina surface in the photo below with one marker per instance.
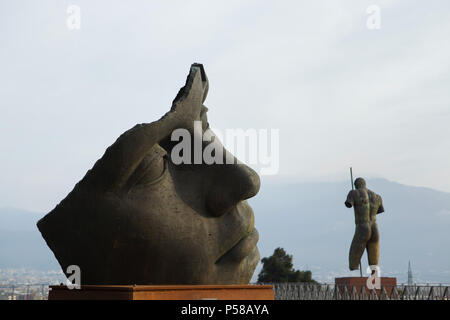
(367, 204)
(138, 218)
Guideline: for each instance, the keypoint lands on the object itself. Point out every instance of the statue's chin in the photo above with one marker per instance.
(248, 266)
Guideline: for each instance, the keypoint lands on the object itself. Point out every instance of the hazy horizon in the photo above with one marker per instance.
(270, 179)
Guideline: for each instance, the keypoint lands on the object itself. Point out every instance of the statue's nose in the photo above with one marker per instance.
(232, 183)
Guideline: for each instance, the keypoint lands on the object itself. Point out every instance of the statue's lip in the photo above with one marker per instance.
(241, 249)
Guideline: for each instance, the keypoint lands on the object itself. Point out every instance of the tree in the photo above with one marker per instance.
(279, 268)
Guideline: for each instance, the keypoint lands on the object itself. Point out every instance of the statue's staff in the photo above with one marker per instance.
(351, 179)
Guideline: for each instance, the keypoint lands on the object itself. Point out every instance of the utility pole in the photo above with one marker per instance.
(410, 275)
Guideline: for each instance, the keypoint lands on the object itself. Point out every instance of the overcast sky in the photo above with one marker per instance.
(341, 94)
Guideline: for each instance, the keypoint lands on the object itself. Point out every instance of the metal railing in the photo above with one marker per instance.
(313, 291)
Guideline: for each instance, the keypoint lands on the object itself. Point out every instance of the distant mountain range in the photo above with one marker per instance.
(21, 243)
(310, 221)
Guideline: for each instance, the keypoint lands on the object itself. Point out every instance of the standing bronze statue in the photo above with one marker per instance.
(367, 204)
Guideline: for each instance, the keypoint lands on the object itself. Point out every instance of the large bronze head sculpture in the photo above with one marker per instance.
(138, 218)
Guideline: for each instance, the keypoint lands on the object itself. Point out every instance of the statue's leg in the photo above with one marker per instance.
(373, 247)
(362, 234)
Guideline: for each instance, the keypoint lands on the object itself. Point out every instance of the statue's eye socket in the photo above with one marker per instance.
(149, 172)
(162, 175)
(155, 174)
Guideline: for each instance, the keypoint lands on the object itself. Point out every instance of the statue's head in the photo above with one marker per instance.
(139, 217)
(360, 183)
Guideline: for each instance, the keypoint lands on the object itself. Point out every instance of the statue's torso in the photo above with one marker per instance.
(366, 204)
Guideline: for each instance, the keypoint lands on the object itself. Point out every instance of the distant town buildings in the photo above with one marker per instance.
(26, 284)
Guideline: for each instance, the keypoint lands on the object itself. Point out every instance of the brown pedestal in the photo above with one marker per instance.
(181, 292)
(351, 283)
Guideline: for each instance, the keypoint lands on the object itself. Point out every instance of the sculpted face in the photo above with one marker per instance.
(138, 218)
